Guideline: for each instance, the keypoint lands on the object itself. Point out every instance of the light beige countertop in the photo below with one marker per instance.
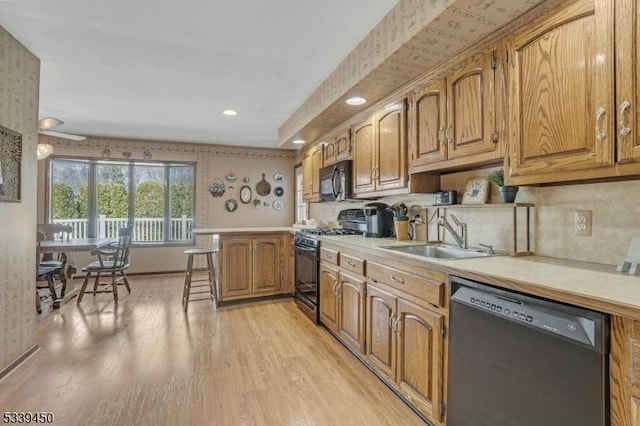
(211, 231)
(589, 285)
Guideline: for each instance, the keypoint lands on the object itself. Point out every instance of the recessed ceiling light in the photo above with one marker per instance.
(356, 100)
(229, 112)
(299, 142)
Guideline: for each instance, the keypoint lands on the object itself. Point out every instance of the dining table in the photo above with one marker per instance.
(69, 246)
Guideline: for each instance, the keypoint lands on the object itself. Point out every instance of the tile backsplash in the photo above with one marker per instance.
(616, 218)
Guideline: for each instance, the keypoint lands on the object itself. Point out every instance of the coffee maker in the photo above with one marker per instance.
(379, 220)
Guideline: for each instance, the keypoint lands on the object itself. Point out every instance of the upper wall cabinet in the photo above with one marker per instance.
(452, 121)
(380, 151)
(627, 47)
(563, 94)
(338, 148)
(311, 164)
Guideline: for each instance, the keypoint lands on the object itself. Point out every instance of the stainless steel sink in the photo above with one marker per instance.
(439, 252)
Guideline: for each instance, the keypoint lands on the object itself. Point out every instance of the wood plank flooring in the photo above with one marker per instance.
(145, 362)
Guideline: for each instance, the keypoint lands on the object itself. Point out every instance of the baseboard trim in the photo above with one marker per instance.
(22, 358)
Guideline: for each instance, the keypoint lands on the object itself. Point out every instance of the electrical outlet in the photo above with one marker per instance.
(584, 223)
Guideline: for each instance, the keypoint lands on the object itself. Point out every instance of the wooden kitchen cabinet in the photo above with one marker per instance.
(342, 298)
(454, 118)
(251, 267)
(561, 92)
(351, 324)
(311, 165)
(380, 151)
(328, 295)
(627, 48)
(337, 148)
(405, 345)
(625, 372)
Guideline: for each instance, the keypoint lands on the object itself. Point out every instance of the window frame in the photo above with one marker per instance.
(92, 194)
(299, 196)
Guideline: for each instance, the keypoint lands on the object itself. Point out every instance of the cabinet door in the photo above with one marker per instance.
(343, 145)
(380, 345)
(266, 265)
(236, 267)
(330, 155)
(561, 92)
(307, 172)
(351, 303)
(471, 115)
(363, 156)
(627, 45)
(391, 149)
(328, 296)
(316, 165)
(427, 125)
(419, 366)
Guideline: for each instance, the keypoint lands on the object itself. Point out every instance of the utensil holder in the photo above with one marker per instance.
(402, 229)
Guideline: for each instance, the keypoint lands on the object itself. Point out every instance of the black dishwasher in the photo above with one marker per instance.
(517, 360)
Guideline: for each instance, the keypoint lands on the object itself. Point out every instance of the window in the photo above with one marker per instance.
(302, 208)
(99, 197)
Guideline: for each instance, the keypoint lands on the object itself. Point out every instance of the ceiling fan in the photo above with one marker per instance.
(44, 149)
(45, 124)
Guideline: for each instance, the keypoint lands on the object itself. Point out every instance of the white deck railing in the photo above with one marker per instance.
(145, 229)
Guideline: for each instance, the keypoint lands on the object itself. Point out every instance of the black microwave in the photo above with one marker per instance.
(335, 181)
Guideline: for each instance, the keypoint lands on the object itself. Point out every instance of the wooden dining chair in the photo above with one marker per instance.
(112, 260)
(45, 275)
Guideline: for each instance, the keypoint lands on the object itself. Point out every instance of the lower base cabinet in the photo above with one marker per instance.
(342, 305)
(251, 266)
(405, 346)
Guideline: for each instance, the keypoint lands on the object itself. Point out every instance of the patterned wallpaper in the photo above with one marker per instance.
(19, 87)
(413, 38)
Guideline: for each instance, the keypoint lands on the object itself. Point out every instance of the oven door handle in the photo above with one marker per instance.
(306, 249)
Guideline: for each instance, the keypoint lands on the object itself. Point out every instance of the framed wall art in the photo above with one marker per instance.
(10, 165)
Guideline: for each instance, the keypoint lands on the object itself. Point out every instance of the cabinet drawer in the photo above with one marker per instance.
(430, 289)
(328, 255)
(352, 264)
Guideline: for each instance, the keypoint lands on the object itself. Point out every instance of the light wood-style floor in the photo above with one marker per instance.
(144, 362)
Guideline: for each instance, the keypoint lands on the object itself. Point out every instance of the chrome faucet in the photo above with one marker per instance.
(460, 235)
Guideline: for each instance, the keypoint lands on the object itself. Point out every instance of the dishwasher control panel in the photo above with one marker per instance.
(519, 314)
(529, 311)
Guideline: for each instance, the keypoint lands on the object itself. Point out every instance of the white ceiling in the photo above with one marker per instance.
(166, 69)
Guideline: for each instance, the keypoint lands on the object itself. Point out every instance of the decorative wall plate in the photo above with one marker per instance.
(245, 194)
(278, 177)
(231, 205)
(216, 188)
(278, 205)
(231, 177)
(278, 191)
(476, 191)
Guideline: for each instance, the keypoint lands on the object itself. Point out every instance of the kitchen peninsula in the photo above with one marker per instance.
(252, 262)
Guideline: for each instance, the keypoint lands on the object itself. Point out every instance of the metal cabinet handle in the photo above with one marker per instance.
(335, 289)
(391, 322)
(447, 133)
(396, 327)
(624, 129)
(350, 263)
(398, 280)
(441, 135)
(600, 135)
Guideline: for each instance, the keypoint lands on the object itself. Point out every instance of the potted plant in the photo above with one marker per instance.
(507, 193)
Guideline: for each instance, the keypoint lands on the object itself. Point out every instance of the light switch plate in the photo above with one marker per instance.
(584, 223)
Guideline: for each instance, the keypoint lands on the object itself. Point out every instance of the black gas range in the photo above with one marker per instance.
(307, 258)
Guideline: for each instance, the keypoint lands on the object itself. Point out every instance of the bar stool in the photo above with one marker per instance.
(211, 272)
